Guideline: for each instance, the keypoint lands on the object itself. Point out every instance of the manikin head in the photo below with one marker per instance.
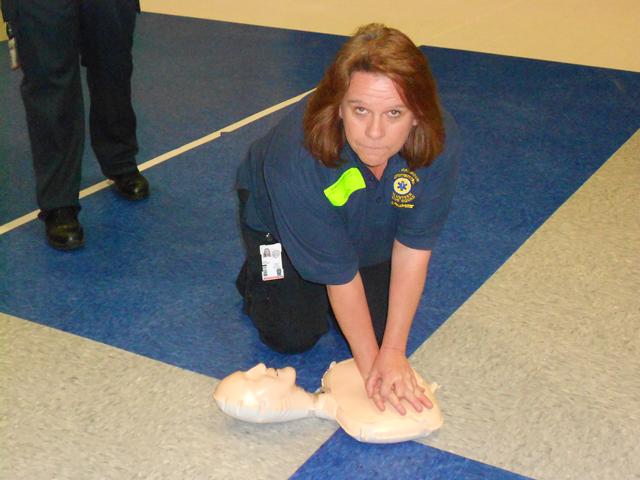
(263, 395)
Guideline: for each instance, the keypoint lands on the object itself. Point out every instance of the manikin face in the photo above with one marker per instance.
(262, 395)
(270, 383)
(376, 120)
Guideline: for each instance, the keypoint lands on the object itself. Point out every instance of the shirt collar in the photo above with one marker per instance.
(395, 163)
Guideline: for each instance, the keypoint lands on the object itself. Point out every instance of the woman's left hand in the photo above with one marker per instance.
(391, 379)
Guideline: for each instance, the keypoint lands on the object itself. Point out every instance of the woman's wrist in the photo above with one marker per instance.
(364, 360)
(389, 345)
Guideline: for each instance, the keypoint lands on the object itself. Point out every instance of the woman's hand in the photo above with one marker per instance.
(391, 379)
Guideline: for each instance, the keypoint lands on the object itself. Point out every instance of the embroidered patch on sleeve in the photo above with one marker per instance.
(403, 183)
(350, 181)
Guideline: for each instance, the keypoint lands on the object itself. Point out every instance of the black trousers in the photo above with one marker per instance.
(51, 37)
(292, 314)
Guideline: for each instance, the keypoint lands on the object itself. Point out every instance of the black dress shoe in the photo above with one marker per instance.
(64, 232)
(132, 186)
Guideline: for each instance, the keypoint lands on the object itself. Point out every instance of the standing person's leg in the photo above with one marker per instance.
(107, 28)
(48, 45)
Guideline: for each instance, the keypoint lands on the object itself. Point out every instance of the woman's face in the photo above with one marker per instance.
(376, 120)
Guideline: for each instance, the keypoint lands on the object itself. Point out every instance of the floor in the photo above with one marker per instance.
(530, 320)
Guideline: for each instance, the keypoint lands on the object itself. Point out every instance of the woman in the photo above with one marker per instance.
(354, 186)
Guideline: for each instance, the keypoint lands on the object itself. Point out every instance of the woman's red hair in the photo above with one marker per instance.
(383, 50)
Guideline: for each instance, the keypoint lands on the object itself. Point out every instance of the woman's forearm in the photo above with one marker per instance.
(349, 304)
(408, 275)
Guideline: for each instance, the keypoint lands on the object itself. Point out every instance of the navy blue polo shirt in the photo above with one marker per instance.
(332, 221)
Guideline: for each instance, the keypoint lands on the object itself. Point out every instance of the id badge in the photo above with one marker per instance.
(271, 262)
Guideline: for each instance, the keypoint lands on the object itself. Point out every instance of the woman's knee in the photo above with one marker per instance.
(288, 342)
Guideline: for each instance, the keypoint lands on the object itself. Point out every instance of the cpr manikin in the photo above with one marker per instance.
(267, 395)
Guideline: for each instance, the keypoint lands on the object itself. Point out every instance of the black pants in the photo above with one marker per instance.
(291, 314)
(51, 37)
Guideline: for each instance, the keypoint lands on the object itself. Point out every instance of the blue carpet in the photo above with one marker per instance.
(343, 457)
(157, 278)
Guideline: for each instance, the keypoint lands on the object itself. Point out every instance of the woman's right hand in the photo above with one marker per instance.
(391, 379)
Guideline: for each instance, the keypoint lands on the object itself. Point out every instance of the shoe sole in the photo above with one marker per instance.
(126, 196)
(66, 247)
